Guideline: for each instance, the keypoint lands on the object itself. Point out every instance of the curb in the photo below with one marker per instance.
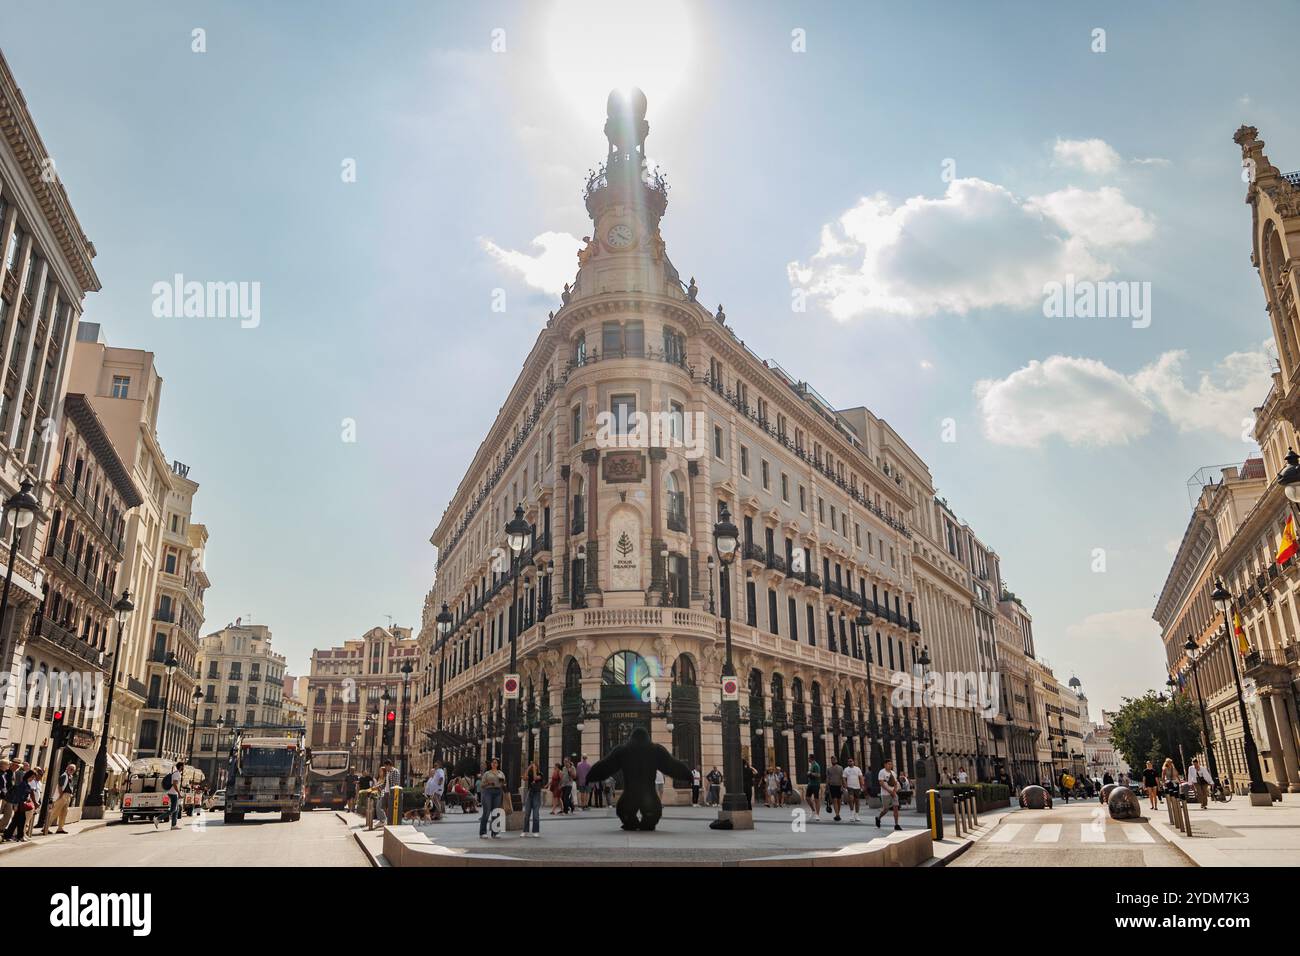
(32, 843)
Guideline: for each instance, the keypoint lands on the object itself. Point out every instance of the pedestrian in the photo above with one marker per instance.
(556, 786)
(38, 791)
(569, 783)
(22, 796)
(1107, 779)
(172, 787)
(433, 790)
(904, 787)
(62, 797)
(787, 787)
(747, 782)
(834, 783)
(1199, 778)
(962, 776)
(533, 780)
(695, 786)
(7, 771)
(597, 788)
(1149, 784)
(772, 788)
(813, 789)
(889, 787)
(1169, 776)
(853, 783)
(583, 769)
(715, 785)
(492, 785)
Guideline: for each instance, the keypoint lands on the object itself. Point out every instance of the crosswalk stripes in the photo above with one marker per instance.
(1006, 833)
(1091, 832)
(1048, 833)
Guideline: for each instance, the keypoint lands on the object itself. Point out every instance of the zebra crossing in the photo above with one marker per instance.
(1053, 833)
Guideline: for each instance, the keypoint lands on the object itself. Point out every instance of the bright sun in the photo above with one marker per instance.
(593, 46)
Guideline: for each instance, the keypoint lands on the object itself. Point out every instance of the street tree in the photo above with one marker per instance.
(1152, 727)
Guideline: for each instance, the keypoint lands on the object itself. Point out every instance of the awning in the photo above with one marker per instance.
(117, 763)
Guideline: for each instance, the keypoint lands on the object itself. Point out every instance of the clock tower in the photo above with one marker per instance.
(626, 200)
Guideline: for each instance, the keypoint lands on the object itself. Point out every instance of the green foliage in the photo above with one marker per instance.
(1148, 729)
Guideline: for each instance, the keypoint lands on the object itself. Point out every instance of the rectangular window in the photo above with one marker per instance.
(717, 442)
(623, 410)
(772, 624)
(792, 609)
(785, 487)
(121, 385)
(767, 479)
(744, 461)
(803, 500)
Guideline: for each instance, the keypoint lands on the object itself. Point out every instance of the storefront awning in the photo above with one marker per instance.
(118, 763)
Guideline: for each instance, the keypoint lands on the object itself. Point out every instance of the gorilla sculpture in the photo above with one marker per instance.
(1035, 797)
(638, 758)
(1124, 804)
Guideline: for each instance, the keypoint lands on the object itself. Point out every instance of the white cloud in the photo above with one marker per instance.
(1080, 400)
(1101, 217)
(976, 247)
(548, 269)
(1093, 645)
(1091, 155)
(1084, 402)
(1222, 401)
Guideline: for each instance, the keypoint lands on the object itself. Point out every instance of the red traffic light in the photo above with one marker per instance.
(58, 716)
(391, 716)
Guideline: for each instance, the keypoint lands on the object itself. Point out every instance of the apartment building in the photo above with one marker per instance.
(242, 680)
(45, 273)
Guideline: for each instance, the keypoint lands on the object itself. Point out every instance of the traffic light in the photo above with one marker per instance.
(390, 722)
(56, 728)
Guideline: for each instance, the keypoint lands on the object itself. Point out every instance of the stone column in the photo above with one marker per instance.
(1287, 736)
(591, 458)
(1274, 744)
(692, 473)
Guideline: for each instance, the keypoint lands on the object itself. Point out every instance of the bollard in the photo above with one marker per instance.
(1169, 806)
(1187, 817)
(934, 811)
(395, 812)
(370, 811)
(975, 808)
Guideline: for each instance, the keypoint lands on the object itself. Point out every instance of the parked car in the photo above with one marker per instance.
(217, 801)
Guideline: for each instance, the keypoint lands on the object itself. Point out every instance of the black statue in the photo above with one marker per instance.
(638, 758)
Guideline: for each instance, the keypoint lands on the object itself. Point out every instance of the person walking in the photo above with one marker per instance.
(433, 789)
(747, 779)
(715, 786)
(1200, 778)
(584, 788)
(21, 796)
(813, 789)
(773, 788)
(533, 780)
(492, 785)
(889, 788)
(1169, 776)
(834, 784)
(569, 782)
(62, 798)
(556, 786)
(1150, 785)
(853, 783)
(695, 786)
(172, 787)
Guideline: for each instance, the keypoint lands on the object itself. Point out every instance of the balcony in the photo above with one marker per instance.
(776, 563)
(81, 573)
(753, 552)
(60, 636)
(579, 520)
(166, 617)
(94, 515)
(677, 521)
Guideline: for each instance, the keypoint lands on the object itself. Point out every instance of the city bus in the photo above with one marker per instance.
(327, 778)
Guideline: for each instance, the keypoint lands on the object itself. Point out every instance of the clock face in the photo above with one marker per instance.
(619, 236)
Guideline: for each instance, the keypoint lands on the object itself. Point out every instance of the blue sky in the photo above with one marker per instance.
(376, 294)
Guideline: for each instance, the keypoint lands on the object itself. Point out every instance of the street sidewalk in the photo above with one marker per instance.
(36, 839)
(1236, 833)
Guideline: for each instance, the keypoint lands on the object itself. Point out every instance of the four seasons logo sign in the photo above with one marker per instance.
(625, 552)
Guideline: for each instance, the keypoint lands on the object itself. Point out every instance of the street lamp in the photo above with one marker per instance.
(19, 511)
(924, 662)
(170, 664)
(1289, 477)
(216, 753)
(518, 531)
(1259, 794)
(862, 623)
(386, 698)
(194, 723)
(406, 709)
(1193, 653)
(371, 720)
(444, 622)
(94, 807)
(725, 540)
(712, 609)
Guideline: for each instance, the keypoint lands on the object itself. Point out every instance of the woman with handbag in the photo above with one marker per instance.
(22, 796)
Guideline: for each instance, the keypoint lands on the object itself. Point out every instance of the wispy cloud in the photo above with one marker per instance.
(548, 269)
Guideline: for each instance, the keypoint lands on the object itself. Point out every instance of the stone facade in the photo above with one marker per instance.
(638, 417)
(242, 680)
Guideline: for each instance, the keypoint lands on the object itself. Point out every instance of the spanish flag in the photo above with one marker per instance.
(1288, 548)
(1241, 632)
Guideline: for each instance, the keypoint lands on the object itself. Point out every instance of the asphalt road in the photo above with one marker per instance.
(318, 839)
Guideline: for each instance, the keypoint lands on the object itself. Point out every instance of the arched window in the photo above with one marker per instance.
(676, 503)
(684, 672)
(626, 669)
(580, 349)
(573, 676)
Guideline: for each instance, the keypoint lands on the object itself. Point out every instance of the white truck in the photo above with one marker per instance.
(266, 773)
(146, 794)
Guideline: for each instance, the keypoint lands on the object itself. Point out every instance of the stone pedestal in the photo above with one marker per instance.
(740, 819)
(1261, 799)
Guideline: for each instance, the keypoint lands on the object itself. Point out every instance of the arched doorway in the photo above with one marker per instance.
(781, 745)
(800, 731)
(686, 715)
(757, 714)
(622, 705)
(570, 711)
(818, 726)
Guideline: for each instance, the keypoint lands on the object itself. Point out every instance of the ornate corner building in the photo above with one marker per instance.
(638, 416)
